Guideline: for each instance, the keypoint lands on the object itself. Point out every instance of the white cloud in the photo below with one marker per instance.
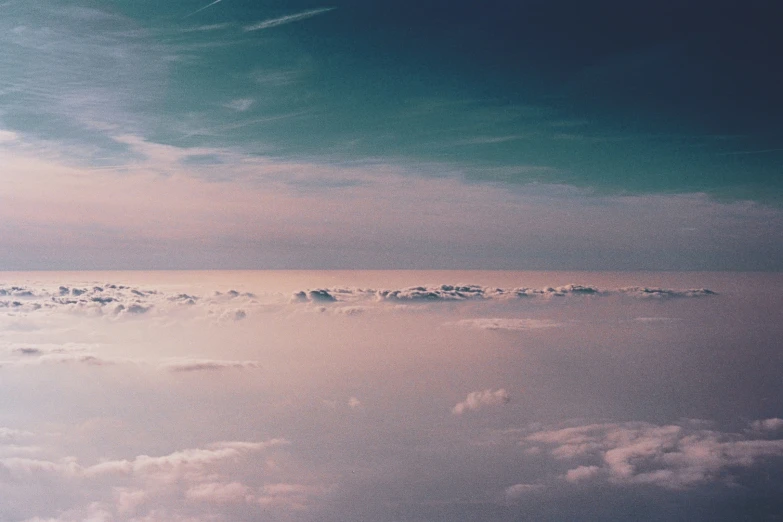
(221, 493)
(6, 136)
(582, 473)
(240, 104)
(479, 399)
(148, 486)
(11, 435)
(669, 456)
(274, 22)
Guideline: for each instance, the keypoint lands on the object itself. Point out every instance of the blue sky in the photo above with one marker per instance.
(523, 107)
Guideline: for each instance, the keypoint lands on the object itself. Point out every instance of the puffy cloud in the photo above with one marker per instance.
(774, 424)
(317, 296)
(126, 302)
(662, 293)
(148, 487)
(479, 399)
(670, 456)
(116, 300)
(582, 473)
(476, 292)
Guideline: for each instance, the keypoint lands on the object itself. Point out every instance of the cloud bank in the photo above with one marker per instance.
(475, 292)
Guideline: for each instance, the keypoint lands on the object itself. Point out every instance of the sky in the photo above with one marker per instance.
(420, 261)
(390, 396)
(245, 134)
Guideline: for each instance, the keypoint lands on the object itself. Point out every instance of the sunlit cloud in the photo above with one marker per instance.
(669, 456)
(480, 399)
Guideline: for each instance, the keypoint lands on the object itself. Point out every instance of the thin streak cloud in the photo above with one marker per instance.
(274, 22)
(205, 7)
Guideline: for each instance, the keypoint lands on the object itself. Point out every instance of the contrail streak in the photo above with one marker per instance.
(274, 22)
(206, 6)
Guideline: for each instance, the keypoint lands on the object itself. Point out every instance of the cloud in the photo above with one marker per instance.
(119, 301)
(479, 399)
(202, 8)
(582, 473)
(497, 323)
(148, 486)
(51, 74)
(476, 292)
(31, 355)
(89, 359)
(221, 493)
(274, 22)
(11, 435)
(27, 350)
(291, 496)
(142, 486)
(768, 425)
(316, 296)
(182, 365)
(518, 491)
(240, 104)
(6, 136)
(663, 293)
(670, 456)
(354, 403)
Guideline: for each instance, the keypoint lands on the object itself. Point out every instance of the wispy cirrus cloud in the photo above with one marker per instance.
(274, 22)
(203, 8)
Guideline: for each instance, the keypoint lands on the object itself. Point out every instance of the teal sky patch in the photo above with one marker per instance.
(481, 90)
